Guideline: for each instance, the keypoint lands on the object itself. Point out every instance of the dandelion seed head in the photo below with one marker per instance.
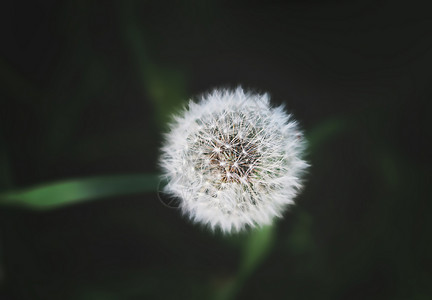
(233, 160)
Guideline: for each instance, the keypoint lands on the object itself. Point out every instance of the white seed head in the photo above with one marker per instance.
(233, 160)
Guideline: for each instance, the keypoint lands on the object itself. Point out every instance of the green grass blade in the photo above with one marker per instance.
(58, 194)
(257, 247)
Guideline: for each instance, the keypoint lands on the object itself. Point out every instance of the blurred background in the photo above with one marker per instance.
(86, 89)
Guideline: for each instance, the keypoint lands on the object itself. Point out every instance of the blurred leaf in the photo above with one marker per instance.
(324, 131)
(57, 194)
(164, 86)
(257, 247)
(300, 240)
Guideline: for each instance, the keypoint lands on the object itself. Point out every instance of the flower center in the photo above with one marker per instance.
(232, 159)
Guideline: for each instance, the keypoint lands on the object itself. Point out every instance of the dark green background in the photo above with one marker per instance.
(86, 88)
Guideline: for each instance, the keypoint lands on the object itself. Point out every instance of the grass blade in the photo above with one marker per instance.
(58, 194)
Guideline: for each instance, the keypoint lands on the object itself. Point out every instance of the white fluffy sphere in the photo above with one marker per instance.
(233, 160)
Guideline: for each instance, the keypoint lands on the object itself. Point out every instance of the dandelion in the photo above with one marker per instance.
(233, 160)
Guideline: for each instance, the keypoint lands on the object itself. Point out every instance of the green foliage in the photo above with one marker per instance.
(166, 87)
(58, 194)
